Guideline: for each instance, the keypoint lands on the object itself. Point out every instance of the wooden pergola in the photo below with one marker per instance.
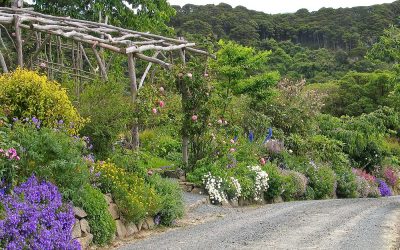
(76, 47)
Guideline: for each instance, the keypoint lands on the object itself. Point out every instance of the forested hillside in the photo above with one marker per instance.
(319, 46)
(344, 28)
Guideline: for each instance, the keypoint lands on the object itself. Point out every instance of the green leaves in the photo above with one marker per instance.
(142, 15)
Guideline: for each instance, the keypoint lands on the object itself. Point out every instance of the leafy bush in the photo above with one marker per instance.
(51, 155)
(34, 217)
(109, 110)
(294, 185)
(25, 94)
(367, 188)
(170, 193)
(323, 181)
(102, 225)
(346, 182)
(135, 198)
(160, 144)
(310, 194)
(276, 182)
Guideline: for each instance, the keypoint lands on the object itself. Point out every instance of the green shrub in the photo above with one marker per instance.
(276, 182)
(25, 94)
(101, 223)
(323, 181)
(160, 144)
(170, 193)
(367, 188)
(310, 194)
(51, 155)
(135, 198)
(109, 109)
(346, 182)
(294, 185)
(138, 162)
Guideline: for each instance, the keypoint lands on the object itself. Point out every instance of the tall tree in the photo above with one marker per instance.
(143, 15)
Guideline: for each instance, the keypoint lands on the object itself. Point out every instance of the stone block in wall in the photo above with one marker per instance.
(85, 241)
(131, 229)
(121, 229)
(150, 222)
(85, 226)
(76, 230)
(108, 198)
(79, 213)
(113, 209)
(139, 225)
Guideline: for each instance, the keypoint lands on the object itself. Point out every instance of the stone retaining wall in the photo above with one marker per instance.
(81, 229)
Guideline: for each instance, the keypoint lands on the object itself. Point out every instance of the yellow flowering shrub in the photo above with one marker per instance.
(26, 94)
(135, 199)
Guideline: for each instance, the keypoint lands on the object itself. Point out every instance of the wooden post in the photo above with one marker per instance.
(185, 136)
(101, 65)
(134, 90)
(18, 37)
(3, 63)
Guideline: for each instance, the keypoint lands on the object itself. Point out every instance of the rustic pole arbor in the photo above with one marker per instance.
(84, 42)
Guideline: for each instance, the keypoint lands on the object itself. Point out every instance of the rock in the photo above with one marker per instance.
(150, 222)
(278, 199)
(145, 226)
(79, 213)
(182, 178)
(76, 230)
(186, 186)
(108, 198)
(131, 229)
(85, 241)
(171, 174)
(121, 230)
(197, 190)
(234, 203)
(140, 225)
(113, 209)
(85, 226)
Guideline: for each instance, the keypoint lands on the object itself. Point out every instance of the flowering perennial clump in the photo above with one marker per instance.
(34, 217)
(10, 154)
(213, 185)
(384, 188)
(390, 176)
(261, 182)
(237, 186)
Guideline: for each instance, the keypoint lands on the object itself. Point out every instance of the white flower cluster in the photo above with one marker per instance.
(237, 186)
(213, 186)
(261, 182)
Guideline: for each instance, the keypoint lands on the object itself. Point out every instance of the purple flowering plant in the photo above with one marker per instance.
(384, 188)
(34, 217)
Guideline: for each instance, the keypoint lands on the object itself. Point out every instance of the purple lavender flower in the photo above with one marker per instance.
(36, 218)
(384, 188)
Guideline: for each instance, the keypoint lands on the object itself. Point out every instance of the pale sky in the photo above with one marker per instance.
(284, 6)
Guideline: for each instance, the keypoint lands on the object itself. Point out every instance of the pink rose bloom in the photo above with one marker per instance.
(194, 118)
(161, 103)
(220, 121)
(205, 75)
(161, 89)
(154, 110)
(42, 65)
(262, 161)
(232, 150)
(232, 141)
(225, 122)
(190, 75)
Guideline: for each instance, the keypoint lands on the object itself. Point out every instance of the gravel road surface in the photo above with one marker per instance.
(329, 224)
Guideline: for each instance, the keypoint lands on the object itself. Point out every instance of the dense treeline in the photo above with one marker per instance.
(318, 46)
(344, 28)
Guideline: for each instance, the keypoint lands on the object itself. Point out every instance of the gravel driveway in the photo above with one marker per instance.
(329, 224)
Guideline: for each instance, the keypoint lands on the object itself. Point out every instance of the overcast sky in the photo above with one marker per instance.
(284, 6)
